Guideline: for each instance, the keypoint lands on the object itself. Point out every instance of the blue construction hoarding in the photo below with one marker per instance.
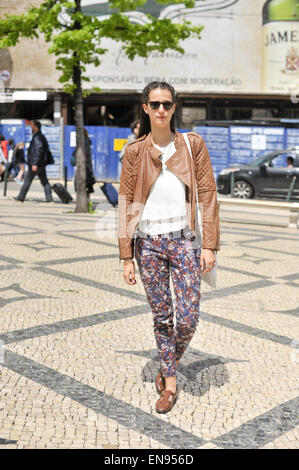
(105, 159)
(227, 145)
(237, 145)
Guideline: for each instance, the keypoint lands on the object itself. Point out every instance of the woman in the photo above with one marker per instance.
(10, 158)
(19, 160)
(2, 163)
(90, 178)
(157, 196)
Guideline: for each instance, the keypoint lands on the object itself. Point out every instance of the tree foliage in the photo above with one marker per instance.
(75, 38)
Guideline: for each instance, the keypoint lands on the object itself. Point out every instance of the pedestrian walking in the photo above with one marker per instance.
(4, 144)
(37, 161)
(3, 155)
(2, 163)
(157, 202)
(10, 158)
(19, 159)
(90, 178)
(135, 130)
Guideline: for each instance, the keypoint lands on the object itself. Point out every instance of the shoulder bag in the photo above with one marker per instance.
(209, 278)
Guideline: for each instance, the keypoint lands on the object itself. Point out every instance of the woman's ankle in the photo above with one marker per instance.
(170, 383)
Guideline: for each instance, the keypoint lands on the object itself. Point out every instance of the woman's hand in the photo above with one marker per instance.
(129, 273)
(207, 260)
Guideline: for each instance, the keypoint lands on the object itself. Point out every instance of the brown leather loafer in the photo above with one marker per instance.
(160, 383)
(166, 401)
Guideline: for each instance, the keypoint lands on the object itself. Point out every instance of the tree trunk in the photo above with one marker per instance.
(80, 175)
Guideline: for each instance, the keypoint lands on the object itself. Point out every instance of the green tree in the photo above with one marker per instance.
(75, 39)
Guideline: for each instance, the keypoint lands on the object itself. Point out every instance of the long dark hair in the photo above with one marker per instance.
(145, 125)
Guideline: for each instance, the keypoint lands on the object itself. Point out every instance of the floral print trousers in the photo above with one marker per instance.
(158, 257)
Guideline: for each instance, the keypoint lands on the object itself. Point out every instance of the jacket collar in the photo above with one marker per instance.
(154, 152)
(180, 163)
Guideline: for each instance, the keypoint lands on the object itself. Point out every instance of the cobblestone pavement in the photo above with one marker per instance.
(77, 350)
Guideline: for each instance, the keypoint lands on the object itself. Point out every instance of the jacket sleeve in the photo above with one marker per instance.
(207, 193)
(125, 204)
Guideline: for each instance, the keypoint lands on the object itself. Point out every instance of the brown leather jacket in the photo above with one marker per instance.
(140, 169)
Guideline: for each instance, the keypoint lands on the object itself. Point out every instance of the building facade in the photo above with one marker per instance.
(244, 68)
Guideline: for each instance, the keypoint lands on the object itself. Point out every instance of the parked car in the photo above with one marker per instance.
(268, 176)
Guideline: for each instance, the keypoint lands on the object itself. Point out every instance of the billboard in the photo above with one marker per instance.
(246, 47)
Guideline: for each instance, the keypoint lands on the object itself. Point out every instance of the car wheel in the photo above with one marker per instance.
(243, 190)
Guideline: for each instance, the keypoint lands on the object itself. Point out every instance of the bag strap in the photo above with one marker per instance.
(209, 278)
(185, 135)
(198, 212)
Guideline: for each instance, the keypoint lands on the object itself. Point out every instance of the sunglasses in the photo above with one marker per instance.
(167, 105)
